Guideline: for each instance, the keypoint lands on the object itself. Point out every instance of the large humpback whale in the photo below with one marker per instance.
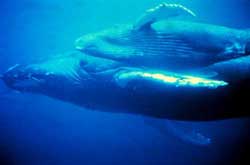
(159, 67)
(105, 85)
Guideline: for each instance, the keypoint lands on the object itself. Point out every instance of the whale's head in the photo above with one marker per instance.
(24, 78)
(75, 78)
(53, 74)
(87, 42)
(106, 42)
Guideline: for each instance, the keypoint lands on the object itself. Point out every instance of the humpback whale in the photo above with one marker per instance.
(105, 85)
(167, 36)
(163, 66)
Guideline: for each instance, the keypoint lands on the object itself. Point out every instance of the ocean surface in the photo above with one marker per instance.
(37, 130)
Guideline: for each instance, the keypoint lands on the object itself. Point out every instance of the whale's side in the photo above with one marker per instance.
(93, 83)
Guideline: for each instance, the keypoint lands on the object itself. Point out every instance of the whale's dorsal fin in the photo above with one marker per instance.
(160, 12)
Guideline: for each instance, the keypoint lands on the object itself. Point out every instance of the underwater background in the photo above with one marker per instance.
(37, 130)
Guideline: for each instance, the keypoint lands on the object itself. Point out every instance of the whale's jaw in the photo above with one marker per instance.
(23, 78)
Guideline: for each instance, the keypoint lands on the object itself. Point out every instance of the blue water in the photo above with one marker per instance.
(38, 130)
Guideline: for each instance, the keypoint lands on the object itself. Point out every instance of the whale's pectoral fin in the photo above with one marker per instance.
(160, 12)
(187, 132)
(163, 80)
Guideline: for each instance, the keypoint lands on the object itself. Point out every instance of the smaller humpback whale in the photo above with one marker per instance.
(164, 66)
(167, 37)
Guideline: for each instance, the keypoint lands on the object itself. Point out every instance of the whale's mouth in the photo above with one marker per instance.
(26, 83)
(22, 78)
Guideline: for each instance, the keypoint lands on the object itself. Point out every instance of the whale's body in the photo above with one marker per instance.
(169, 44)
(99, 84)
(165, 69)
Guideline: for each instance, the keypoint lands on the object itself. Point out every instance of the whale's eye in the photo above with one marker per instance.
(83, 63)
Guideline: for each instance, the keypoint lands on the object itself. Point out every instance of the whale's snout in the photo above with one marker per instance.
(12, 75)
(22, 78)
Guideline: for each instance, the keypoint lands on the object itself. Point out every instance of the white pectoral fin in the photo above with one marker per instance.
(153, 79)
(161, 12)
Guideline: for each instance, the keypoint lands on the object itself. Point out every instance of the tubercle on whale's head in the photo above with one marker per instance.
(24, 78)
